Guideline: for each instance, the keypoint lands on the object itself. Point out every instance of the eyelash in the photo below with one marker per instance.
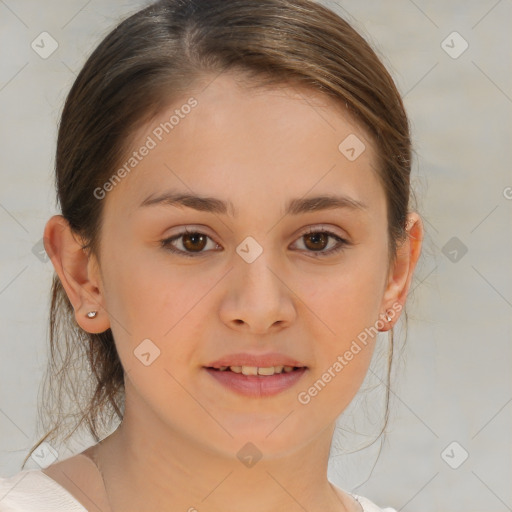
(166, 244)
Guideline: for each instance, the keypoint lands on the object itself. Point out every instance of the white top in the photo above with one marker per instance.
(32, 490)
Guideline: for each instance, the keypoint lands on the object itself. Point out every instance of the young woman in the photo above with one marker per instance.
(235, 230)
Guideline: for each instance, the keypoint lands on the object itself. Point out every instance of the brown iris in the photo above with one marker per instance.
(318, 238)
(190, 241)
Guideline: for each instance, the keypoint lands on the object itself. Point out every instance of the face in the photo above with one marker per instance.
(253, 276)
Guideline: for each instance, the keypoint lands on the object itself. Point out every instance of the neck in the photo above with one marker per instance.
(148, 467)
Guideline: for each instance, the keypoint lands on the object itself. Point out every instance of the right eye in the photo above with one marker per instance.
(193, 242)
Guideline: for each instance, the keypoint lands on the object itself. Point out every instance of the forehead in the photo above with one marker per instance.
(238, 142)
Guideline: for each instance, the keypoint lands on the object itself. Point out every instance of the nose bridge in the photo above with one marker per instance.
(255, 266)
(257, 295)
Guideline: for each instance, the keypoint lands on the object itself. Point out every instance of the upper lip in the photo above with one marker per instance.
(257, 360)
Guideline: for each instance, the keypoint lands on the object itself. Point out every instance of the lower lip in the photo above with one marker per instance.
(257, 385)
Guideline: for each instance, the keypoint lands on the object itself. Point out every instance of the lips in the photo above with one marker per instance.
(257, 360)
(257, 386)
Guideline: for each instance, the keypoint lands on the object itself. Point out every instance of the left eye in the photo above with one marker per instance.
(321, 237)
(195, 241)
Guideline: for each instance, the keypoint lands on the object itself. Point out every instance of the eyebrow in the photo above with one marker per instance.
(214, 205)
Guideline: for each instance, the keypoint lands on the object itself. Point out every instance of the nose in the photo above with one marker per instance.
(259, 297)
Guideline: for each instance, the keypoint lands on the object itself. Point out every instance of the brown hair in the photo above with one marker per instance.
(149, 59)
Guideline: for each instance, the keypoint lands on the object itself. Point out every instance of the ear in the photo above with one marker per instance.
(78, 273)
(401, 272)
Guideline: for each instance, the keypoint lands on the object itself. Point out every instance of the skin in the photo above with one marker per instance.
(177, 445)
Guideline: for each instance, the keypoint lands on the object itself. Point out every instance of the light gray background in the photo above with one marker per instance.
(453, 383)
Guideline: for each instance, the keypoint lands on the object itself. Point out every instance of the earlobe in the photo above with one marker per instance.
(400, 275)
(71, 262)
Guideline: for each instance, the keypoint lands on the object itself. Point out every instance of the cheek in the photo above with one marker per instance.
(346, 308)
(150, 313)
(347, 299)
(143, 294)
(148, 298)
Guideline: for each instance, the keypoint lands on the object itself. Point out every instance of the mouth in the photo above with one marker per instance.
(257, 382)
(254, 370)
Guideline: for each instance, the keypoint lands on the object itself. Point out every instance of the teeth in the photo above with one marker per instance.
(267, 371)
(249, 370)
(254, 370)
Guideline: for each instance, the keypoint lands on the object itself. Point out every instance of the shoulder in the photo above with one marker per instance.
(33, 491)
(80, 477)
(370, 506)
(363, 504)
